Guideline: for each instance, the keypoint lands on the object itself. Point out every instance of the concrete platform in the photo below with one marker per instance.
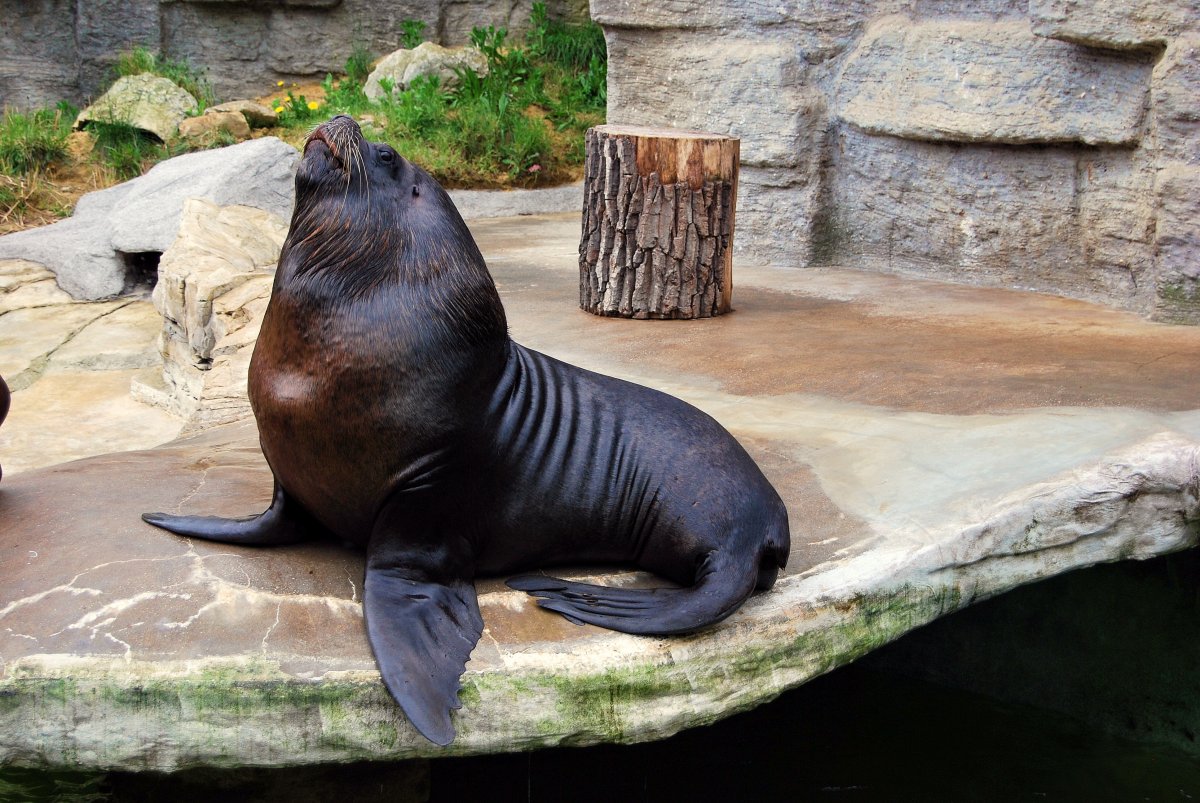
(935, 444)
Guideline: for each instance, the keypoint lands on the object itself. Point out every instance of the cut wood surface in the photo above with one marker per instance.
(658, 220)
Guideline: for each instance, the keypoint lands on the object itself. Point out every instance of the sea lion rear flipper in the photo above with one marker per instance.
(422, 634)
(644, 611)
(284, 522)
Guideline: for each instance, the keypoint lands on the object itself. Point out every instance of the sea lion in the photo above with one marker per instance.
(396, 413)
(5, 400)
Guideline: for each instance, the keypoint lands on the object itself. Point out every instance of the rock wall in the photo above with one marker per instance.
(1044, 144)
(52, 50)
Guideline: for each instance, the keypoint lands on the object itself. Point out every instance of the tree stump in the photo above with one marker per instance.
(658, 214)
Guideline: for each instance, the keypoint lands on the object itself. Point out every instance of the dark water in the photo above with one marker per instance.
(867, 732)
(855, 735)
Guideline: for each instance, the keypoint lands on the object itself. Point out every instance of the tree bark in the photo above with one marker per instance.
(658, 216)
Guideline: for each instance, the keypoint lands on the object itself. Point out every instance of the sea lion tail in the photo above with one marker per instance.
(720, 590)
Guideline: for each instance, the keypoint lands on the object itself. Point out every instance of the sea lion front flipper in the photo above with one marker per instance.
(422, 634)
(284, 522)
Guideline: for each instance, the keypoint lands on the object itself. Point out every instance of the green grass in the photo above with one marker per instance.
(521, 123)
(127, 151)
(29, 143)
(358, 66)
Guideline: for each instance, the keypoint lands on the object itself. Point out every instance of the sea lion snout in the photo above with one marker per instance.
(339, 136)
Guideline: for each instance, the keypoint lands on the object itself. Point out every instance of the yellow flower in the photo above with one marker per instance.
(279, 83)
(312, 105)
(279, 110)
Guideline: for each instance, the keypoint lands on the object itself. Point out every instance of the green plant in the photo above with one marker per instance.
(358, 65)
(29, 142)
(125, 150)
(141, 60)
(13, 196)
(571, 46)
(510, 70)
(344, 97)
(420, 108)
(412, 33)
(296, 109)
(579, 57)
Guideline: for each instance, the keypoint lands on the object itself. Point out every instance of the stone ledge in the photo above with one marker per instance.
(259, 668)
(935, 444)
(991, 82)
(1117, 25)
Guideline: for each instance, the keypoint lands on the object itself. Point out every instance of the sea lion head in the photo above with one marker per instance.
(366, 213)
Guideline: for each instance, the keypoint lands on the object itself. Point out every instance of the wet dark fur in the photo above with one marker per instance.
(5, 399)
(396, 413)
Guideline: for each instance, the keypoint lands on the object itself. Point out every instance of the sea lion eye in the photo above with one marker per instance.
(416, 190)
(387, 155)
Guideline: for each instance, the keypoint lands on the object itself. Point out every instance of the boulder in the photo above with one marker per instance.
(147, 102)
(214, 283)
(211, 124)
(427, 58)
(87, 252)
(78, 250)
(256, 114)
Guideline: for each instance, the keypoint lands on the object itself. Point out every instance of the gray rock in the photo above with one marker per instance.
(106, 28)
(1117, 24)
(52, 50)
(29, 82)
(478, 204)
(214, 282)
(142, 215)
(78, 250)
(989, 82)
(404, 66)
(1049, 180)
(256, 114)
(257, 173)
(688, 14)
(1178, 241)
(38, 61)
(756, 86)
(1173, 101)
(776, 209)
(209, 125)
(246, 47)
(147, 102)
(1177, 181)
(992, 215)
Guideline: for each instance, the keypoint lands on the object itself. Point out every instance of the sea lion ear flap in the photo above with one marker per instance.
(422, 634)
